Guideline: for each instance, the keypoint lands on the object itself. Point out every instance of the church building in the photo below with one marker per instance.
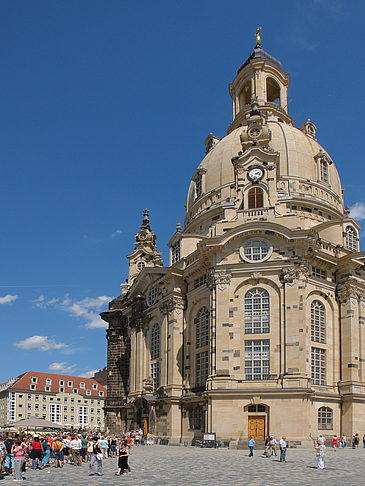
(257, 325)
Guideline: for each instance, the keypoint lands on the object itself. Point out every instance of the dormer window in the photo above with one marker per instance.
(34, 379)
(351, 239)
(175, 252)
(323, 162)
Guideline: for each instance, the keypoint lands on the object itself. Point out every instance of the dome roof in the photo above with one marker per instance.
(297, 159)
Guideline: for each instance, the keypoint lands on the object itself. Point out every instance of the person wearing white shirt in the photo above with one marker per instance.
(283, 446)
(76, 450)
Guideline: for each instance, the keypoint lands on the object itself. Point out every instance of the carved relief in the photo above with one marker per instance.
(174, 304)
(351, 293)
(291, 275)
(219, 279)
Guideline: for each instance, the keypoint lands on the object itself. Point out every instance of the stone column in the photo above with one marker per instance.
(350, 332)
(221, 352)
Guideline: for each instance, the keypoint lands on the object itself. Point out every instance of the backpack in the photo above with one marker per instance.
(56, 448)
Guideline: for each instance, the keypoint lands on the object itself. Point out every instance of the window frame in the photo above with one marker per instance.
(253, 314)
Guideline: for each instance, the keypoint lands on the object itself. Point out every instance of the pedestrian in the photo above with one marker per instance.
(9, 462)
(18, 450)
(344, 441)
(251, 446)
(267, 447)
(335, 442)
(320, 451)
(75, 446)
(113, 446)
(2, 456)
(84, 442)
(96, 457)
(89, 449)
(123, 454)
(273, 443)
(37, 453)
(357, 440)
(104, 445)
(47, 451)
(363, 440)
(283, 446)
(58, 452)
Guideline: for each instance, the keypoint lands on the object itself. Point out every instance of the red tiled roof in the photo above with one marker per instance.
(25, 380)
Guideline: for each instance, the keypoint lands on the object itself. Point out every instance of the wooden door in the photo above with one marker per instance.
(256, 427)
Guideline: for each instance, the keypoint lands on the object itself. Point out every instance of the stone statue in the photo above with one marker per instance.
(257, 37)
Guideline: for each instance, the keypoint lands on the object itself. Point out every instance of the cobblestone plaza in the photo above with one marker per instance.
(188, 466)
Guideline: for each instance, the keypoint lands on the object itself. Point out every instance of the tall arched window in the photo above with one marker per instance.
(255, 198)
(323, 170)
(155, 342)
(257, 311)
(351, 240)
(318, 322)
(202, 328)
(201, 341)
(325, 418)
(155, 355)
(272, 91)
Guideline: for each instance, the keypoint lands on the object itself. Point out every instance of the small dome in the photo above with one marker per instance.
(297, 160)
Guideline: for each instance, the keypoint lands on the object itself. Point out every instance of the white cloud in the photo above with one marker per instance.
(43, 343)
(8, 299)
(62, 367)
(358, 211)
(116, 233)
(86, 309)
(89, 374)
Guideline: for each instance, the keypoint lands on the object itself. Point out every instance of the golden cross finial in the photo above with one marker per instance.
(257, 37)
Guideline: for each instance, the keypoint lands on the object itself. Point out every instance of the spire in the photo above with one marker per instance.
(145, 252)
(257, 37)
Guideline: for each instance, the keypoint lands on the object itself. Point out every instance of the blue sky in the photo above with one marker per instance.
(104, 110)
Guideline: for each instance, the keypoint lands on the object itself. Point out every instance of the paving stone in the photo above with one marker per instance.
(189, 466)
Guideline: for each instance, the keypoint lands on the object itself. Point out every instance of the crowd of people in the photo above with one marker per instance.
(38, 451)
(271, 445)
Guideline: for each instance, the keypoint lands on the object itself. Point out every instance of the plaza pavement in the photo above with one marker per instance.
(189, 466)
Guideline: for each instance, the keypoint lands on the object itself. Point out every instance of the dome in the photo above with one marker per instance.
(298, 153)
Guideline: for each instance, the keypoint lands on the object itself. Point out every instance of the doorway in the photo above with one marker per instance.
(256, 427)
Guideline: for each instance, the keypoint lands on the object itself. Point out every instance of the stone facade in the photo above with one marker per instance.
(257, 324)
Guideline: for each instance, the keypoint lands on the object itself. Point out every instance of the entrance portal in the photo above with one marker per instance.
(256, 427)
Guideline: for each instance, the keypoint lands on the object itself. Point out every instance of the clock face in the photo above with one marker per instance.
(255, 174)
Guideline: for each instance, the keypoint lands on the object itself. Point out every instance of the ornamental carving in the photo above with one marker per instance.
(148, 385)
(174, 304)
(352, 294)
(219, 279)
(291, 275)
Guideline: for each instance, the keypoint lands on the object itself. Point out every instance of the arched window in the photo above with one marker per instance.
(325, 418)
(155, 355)
(351, 240)
(155, 342)
(245, 95)
(202, 328)
(323, 170)
(257, 311)
(318, 322)
(272, 91)
(255, 198)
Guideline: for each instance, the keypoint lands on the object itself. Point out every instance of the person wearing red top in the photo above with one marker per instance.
(335, 442)
(37, 453)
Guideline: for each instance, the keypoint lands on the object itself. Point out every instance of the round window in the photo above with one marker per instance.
(255, 250)
(140, 265)
(152, 296)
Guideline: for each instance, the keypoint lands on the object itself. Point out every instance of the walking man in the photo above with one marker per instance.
(251, 446)
(283, 446)
(76, 450)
